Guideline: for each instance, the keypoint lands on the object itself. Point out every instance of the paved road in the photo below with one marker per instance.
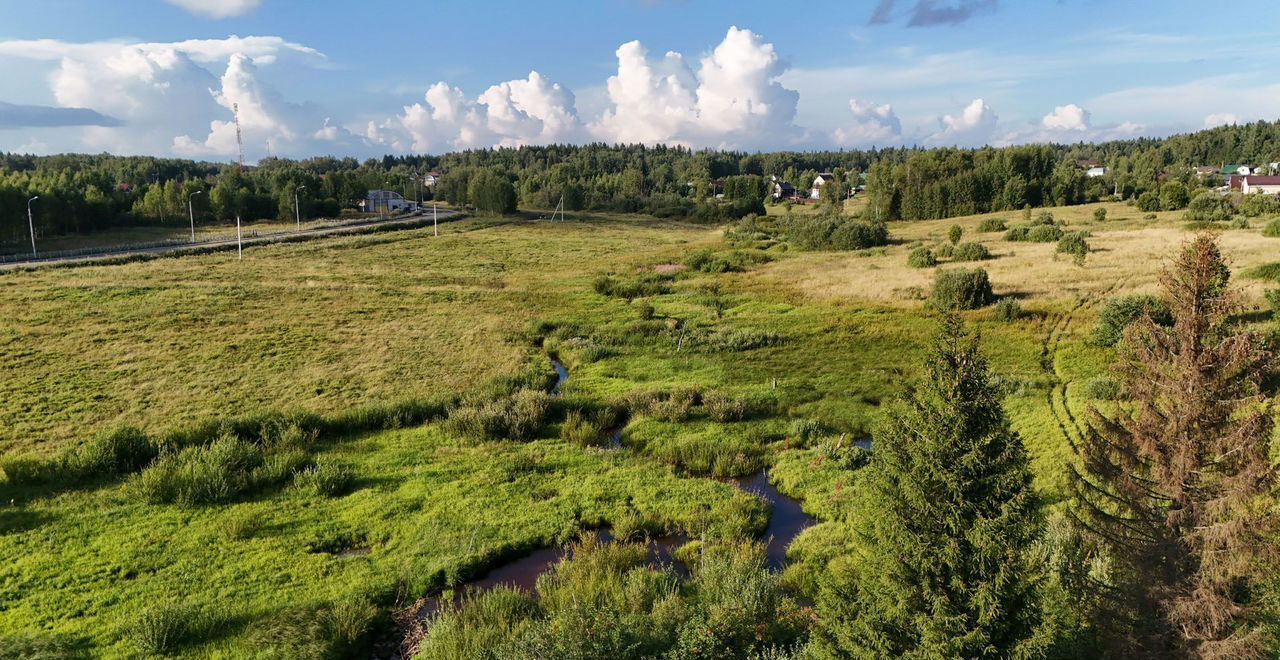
(230, 244)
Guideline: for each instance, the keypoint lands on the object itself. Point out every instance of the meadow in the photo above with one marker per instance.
(716, 361)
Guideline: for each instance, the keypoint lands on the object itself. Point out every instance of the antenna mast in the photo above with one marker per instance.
(235, 108)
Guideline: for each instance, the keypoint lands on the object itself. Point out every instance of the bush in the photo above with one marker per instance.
(1044, 218)
(1272, 229)
(1173, 196)
(1075, 245)
(668, 406)
(632, 288)
(709, 261)
(586, 428)
(1259, 205)
(835, 233)
(971, 252)
(922, 257)
(1148, 202)
(739, 340)
(1272, 297)
(990, 225)
(518, 416)
(164, 627)
(646, 311)
(946, 250)
(962, 289)
(722, 407)
(279, 467)
(1044, 233)
(326, 479)
(194, 476)
(1208, 206)
(1099, 215)
(805, 433)
(1240, 223)
(954, 234)
(1102, 388)
(241, 524)
(1120, 313)
(121, 451)
(1008, 310)
(1017, 234)
(28, 470)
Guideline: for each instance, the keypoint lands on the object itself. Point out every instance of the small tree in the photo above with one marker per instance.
(1175, 489)
(1100, 215)
(955, 234)
(944, 517)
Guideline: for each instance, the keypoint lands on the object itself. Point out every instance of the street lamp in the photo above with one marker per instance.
(297, 213)
(31, 224)
(192, 214)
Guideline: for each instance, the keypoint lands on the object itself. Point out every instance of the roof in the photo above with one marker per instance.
(1087, 163)
(1262, 180)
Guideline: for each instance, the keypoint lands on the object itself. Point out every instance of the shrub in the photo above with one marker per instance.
(1272, 297)
(1240, 223)
(241, 524)
(1044, 218)
(28, 470)
(1075, 245)
(193, 476)
(835, 233)
(1008, 310)
(739, 339)
(519, 416)
(630, 289)
(1272, 229)
(962, 289)
(1269, 271)
(1044, 233)
(971, 252)
(1102, 388)
(1016, 234)
(954, 234)
(121, 451)
(922, 257)
(722, 407)
(588, 429)
(1120, 312)
(326, 479)
(1259, 205)
(669, 405)
(1148, 202)
(1208, 206)
(646, 311)
(337, 630)
(1099, 215)
(805, 433)
(163, 627)
(946, 250)
(990, 225)
(709, 261)
(279, 467)
(1173, 196)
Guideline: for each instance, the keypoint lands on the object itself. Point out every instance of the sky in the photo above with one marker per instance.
(333, 77)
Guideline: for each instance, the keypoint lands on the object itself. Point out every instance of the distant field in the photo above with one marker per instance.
(336, 323)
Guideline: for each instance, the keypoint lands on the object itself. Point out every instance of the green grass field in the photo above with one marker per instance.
(334, 324)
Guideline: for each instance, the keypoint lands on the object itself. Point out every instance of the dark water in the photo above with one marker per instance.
(786, 518)
(562, 375)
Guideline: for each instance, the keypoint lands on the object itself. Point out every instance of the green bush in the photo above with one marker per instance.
(28, 470)
(835, 233)
(326, 479)
(587, 428)
(1016, 234)
(1269, 271)
(632, 288)
(710, 261)
(804, 433)
(962, 289)
(1119, 313)
(1102, 388)
(722, 407)
(946, 250)
(674, 405)
(1008, 310)
(738, 340)
(1173, 196)
(922, 257)
(971, 252)
(954, 234)
(120, 451)
(518, 416)
(164, 627)
(242, 524)
(1100, 215)
(1208, 206)
(198, 475)
(1044, 233)
(1240, 223)
(1272, 229)
(1259, 205)
(1148, 202)
(1043, 218)
(990, 225)
(1272, 297)
(1074, 244)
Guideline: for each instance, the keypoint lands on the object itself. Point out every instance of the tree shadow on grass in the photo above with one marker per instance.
(15, 521)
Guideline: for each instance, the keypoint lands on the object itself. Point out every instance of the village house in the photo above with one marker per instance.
(431, 178)
(1094, 172)
(818, 183)
(783, 190)
(1263, 185)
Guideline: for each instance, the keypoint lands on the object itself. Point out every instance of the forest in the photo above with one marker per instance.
(85, 193)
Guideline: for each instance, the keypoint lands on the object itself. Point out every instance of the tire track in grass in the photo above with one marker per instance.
(1059, 403)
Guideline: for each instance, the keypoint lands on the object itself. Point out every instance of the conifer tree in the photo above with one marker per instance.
(1176, 487)
(945, 514)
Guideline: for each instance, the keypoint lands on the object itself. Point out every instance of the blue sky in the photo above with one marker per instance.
(329, 77)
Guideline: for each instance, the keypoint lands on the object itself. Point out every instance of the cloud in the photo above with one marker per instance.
(872, 125)
(1220, 119)
(1067, 118)
(928, 13)
(39, 116)
(734, 99)
(217, 8)
(973, 127)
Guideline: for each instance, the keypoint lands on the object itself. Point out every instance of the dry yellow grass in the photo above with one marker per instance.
(1127, 255)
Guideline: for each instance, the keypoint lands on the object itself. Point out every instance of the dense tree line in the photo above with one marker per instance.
(81, 193)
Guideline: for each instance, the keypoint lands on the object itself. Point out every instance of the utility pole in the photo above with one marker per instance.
(31, 223)
(192, 214)
(239, 241)
(297, 212)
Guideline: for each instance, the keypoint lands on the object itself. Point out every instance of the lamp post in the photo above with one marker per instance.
(297, 212)
(192, 214)
(31, 224)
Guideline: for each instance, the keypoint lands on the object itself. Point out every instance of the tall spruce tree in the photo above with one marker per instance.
(945, 514)
(1176, 487)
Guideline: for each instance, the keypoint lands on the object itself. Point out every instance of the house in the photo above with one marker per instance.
(1087, 164)
(819, 182)
(1097, 171)
(1264, 185)
(1206, 170)
(385, 201)
(1242, 170)
(783, 190)
(431, 178)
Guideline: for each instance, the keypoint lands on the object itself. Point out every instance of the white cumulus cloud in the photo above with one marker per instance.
(1221, 119)
(1069, 117)
(872, 125)
(217, 8)
(974, 126)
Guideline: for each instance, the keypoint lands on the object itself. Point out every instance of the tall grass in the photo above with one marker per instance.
(519, 416)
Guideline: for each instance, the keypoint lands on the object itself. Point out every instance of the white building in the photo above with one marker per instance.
(819, 182)
(385, 201)
(1094, 172)
(1265, 185)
